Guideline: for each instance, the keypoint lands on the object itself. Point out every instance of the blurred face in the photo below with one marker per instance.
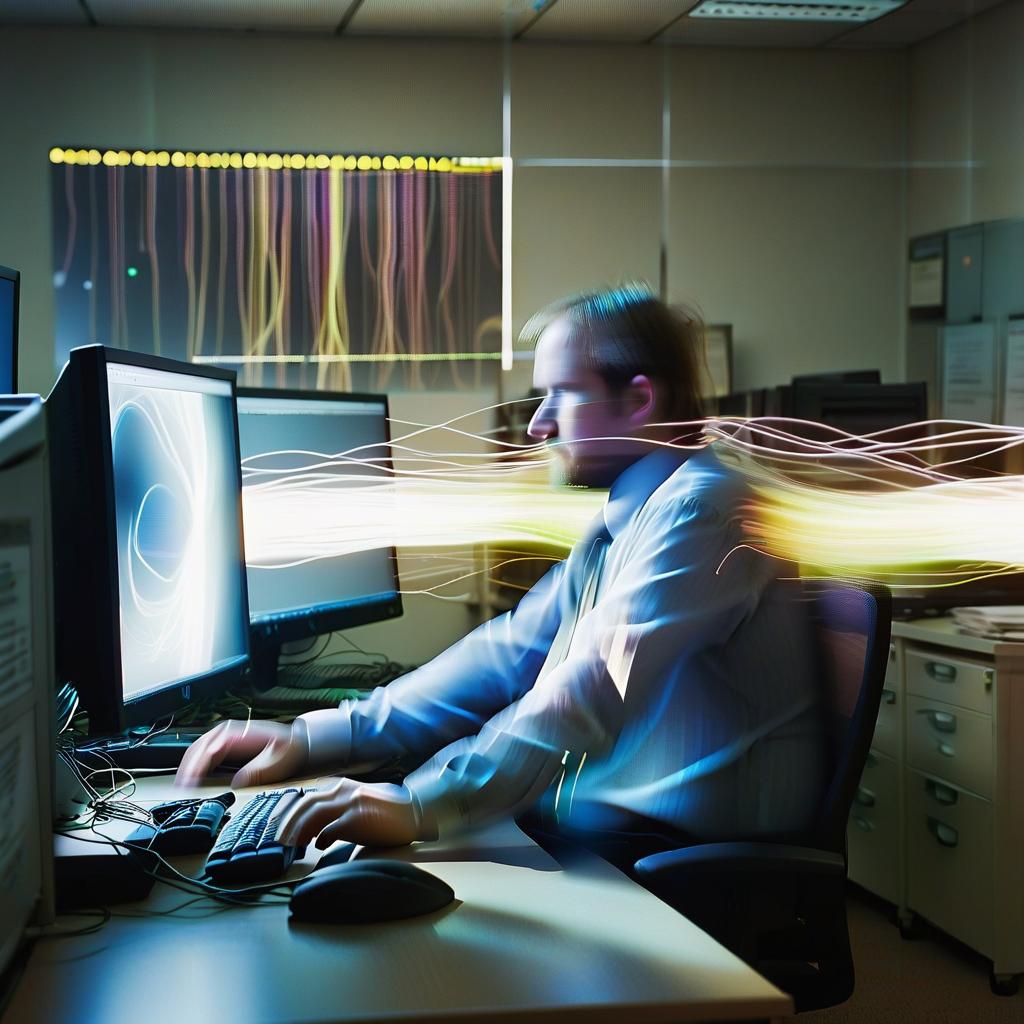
(591, 432)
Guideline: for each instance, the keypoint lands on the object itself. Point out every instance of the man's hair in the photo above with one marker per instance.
(628, 330)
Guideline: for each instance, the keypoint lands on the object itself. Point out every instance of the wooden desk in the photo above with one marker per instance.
(527, 938)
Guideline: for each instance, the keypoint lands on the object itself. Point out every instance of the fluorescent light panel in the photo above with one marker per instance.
(823, 10)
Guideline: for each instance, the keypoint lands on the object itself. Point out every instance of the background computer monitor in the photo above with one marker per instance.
(10, 286)
(839, 377)
(278, 431)
(149, 561)
(859, 408)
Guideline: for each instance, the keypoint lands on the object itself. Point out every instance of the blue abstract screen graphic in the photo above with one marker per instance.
(178, 546)
(297, 452)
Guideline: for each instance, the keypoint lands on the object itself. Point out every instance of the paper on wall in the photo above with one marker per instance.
(1013, 387)
(968, 372)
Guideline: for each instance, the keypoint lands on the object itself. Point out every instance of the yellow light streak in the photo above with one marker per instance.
(912, 508)
(918, 506)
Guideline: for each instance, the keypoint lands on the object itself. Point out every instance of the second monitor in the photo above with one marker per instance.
(314, 447)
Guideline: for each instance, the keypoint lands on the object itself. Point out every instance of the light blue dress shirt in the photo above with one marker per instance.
(686, 693)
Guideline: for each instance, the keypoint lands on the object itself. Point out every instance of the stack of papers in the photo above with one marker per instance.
(1004, 622)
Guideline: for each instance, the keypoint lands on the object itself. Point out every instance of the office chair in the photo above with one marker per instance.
(781, 905)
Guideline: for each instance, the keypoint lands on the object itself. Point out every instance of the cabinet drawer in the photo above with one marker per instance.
(873, 834)
(952, 743)
(967, 684)
(887, 728)
(950, 860)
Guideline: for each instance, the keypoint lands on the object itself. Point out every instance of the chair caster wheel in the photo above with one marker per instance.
(1004, 984)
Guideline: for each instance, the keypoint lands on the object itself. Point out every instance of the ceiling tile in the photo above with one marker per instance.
(490, 18)
(623, 21)
(276, 15)
(618, 21)
(913, 23)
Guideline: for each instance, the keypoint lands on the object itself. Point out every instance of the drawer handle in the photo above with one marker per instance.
(990, 678)
(946, 749)
(941, 721)
(865, 797)
(945, 834)
(863, 824)
(888, 696)
(940, 671)
(892, 652)
(941, 794)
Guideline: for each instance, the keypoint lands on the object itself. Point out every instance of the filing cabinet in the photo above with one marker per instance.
(888, 737)
(873, 837)
(950, 857)
(951, 742)
(937, 825)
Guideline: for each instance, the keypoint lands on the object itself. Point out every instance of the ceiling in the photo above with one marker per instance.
(564, 21)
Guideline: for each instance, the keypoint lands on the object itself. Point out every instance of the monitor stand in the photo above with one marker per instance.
(263, 658)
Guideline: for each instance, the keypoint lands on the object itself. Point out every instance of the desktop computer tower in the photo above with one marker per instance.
(27, 728)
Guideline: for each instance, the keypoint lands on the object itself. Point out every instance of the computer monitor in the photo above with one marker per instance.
(334, 442)
(859, 408)
(26, 678)
(10, 287)
(839, 377)
(149, 561)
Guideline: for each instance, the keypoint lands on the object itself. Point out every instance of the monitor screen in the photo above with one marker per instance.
(860, 408)
(175, 476)
(332, 444)
(8, 331)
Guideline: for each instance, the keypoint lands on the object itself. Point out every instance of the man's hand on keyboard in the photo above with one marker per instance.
(371, 814)
(271, 752)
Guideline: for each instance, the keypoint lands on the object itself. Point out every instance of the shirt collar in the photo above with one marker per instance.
(636, 484)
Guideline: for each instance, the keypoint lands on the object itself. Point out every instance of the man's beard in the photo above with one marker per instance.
(571, 471)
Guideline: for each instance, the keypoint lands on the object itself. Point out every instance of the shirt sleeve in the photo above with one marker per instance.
(451, 696)
(670, 592)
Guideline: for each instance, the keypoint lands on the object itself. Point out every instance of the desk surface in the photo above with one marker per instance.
(943, 632)
(526, 938)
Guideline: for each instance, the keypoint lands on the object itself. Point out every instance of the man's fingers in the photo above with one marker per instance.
(339, 829)
(311, 813)
(308, 822)
(202, 756)
(269, 765)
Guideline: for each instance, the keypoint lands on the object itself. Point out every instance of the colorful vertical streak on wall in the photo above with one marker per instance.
(338, 272)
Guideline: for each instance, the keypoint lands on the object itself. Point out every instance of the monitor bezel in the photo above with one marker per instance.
(9, 274)
(148, 708)
(811, 399)
(274, 630)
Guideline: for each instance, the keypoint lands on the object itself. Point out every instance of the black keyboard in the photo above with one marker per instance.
(247, 849)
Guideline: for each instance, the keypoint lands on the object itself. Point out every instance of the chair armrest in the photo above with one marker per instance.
(740, 857)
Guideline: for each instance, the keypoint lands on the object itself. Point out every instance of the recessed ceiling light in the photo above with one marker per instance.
(823, 10)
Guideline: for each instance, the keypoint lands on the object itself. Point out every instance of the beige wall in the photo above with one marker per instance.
(966, 89)
(785, 219)
(783, 213)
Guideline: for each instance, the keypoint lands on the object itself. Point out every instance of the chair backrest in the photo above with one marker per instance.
(852, 622)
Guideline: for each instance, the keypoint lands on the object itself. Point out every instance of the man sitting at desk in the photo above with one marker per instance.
(660, 675)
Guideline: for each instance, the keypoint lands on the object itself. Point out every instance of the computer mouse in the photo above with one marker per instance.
(367, 891)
